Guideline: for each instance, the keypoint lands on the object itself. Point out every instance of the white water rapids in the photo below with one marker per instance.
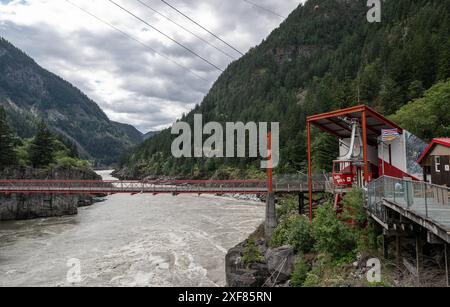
(139, 240)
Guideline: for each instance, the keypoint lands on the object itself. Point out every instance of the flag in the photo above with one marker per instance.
(389, 135)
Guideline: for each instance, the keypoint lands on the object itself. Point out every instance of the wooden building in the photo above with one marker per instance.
(436, 162)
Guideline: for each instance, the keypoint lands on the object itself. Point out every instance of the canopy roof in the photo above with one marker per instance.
(334, 124)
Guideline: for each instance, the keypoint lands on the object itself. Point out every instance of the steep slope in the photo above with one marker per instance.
(150, 134)
(30, 93)
(324, 56)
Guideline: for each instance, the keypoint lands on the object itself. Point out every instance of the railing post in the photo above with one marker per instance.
(426, 199)
(395, 190)
(408, 193)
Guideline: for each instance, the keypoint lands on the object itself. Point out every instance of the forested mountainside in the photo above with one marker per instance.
(30, 93)
(324, 56)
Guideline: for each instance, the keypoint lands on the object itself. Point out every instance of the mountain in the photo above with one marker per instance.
(30, 93)
(324, 56)
(151, 134)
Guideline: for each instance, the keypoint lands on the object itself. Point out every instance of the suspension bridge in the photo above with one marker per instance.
(175, 187)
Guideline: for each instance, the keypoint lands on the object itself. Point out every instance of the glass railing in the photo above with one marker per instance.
(425, 199)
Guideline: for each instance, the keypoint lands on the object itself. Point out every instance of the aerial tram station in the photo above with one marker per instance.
(370, 146)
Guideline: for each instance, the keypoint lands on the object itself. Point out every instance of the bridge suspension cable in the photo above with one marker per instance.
(137, 41)
(185, 29)
(264, 9)
(167, 36)
(202, 27)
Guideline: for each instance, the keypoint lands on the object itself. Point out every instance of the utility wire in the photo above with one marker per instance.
(167, 36)
(264, 9)
(192, 20)
(136, 40)
(185, 29)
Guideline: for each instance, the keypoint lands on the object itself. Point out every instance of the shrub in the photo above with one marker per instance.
(300, 273)
(332, 236)
(311, 281)
(300, 235)
(294, 231)
(68, 162)
(252, 254)
(353, 204)
(286, 208)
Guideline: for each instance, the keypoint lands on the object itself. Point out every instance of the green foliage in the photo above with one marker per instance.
(68, 162)
(287, 207)
(353, 208)
(42, 151)
(428, 117)
(325, 148)
(252, 254)
(300, 273)
(294, 231)
(42, 148)
(332, 236)
(8, 155)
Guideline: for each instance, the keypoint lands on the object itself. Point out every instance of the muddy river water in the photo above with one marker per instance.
(139, 240)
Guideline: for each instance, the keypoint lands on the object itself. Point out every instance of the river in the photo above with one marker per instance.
(139, 240)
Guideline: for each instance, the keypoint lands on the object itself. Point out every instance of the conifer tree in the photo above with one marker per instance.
(8, 155)
(42, 148)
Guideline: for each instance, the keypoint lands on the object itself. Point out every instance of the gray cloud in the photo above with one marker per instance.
(129, 81)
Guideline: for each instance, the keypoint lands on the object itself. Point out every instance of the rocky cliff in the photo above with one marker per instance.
(22, 207)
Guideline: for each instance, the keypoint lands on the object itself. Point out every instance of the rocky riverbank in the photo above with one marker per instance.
(252, 264)
(22, 207)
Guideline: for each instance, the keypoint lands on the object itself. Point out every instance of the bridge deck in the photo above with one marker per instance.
(154, 187)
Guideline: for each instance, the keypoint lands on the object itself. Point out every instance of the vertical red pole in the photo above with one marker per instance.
(366, 161)
(310, 187)
(270, 168)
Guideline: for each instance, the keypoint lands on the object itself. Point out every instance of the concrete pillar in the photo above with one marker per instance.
(271, 216)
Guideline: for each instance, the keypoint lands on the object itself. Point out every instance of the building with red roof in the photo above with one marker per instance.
(436, 162)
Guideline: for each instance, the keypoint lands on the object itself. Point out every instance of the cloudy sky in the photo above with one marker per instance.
(149, 83)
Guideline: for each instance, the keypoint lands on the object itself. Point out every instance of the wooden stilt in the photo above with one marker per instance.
(398, 249)
(447, 265)
(419, 258)
(385, 247)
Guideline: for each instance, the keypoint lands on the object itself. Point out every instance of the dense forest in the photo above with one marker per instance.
(30, 94)
(324, 56)
(43, 150)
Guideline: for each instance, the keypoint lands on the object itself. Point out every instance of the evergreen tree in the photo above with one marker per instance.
(8, 155)
(42, 148)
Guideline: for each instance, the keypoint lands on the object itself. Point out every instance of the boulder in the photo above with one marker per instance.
(281, 262)
(240, 275)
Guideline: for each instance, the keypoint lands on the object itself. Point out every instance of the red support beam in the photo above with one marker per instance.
(366, 160)
(270, 169)
(310, 185)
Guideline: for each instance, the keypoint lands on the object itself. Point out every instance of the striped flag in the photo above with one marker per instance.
(389, 135)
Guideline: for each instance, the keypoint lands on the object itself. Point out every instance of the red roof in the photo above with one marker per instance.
(332, 122)
(439, 141)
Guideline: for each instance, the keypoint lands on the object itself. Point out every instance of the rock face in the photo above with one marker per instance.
(240, 275)
(281, 262)
(276, 270)
(22, 207)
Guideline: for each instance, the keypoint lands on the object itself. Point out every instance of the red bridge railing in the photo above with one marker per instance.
(154, 186)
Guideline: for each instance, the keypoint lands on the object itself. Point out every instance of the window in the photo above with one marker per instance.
(437, 164)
